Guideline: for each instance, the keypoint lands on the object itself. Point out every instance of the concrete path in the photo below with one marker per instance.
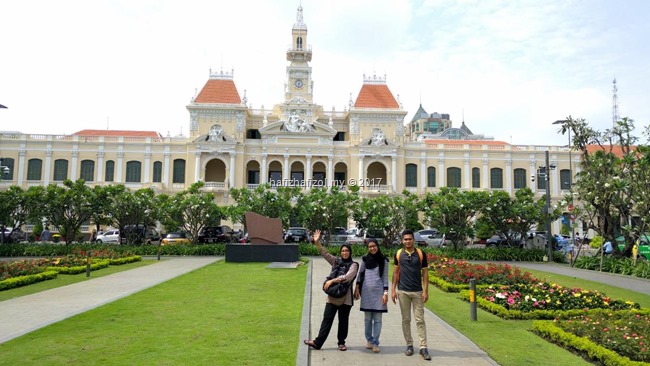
(446, 345)
(637, 284)
(24, 314)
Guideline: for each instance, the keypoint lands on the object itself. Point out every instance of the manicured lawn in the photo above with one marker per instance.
(64, 280)
(224, 313)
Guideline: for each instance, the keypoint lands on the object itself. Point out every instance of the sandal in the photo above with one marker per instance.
(342, 347)
(311, 344)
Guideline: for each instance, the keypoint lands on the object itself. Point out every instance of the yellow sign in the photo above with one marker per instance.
(472, 296)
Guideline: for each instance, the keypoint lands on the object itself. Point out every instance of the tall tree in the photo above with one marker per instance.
(191, 211)
(276, 203)
(325, 209)
(68, 206)
(453, 212)
(611, 185)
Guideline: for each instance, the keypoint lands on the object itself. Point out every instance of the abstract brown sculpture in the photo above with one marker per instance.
(263, 230)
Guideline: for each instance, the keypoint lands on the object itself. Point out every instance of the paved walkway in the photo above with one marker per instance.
(446, 345)
(24, 314)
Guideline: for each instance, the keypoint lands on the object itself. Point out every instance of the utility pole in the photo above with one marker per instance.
(549, 242)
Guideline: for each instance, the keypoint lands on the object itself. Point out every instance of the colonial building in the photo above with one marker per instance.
(297, 141)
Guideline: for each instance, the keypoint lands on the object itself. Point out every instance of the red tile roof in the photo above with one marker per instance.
(615, 149)
(375, 96)
(120, 133)
(219, 91)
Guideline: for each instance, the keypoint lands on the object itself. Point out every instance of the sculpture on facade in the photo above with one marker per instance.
(297, 124)
(378, 137)
(215, 134)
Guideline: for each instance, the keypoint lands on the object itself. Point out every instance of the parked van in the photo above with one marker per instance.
(139, 234)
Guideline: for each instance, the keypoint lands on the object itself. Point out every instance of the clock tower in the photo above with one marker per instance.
(299, 87)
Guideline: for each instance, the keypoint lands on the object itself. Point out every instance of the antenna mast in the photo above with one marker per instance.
(614, 104)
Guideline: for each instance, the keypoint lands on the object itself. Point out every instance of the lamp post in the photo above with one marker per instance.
(573, 234)
(549, 243)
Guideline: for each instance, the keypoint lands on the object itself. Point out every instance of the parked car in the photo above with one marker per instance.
(217, 234)
(500, 240)
(175, 239)
(109, 236)
(438, 240)
(339, 235)
(421, 236)
(139, 234)
(296, 234)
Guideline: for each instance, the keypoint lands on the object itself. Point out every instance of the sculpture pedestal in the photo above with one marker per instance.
(262, 253)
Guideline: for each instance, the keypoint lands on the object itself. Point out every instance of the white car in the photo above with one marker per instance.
(109, 236)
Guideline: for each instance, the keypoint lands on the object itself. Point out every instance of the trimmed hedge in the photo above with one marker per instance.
(98, 264)
(548, 330)
(27, 280)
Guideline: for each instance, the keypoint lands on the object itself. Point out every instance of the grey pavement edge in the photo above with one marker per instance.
(631, 283)
(24, 314)
(446, 345)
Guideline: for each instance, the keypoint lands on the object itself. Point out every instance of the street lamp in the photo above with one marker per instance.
(543, 172)
(573, 234)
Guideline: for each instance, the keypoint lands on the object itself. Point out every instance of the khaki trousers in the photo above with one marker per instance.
(408, 300)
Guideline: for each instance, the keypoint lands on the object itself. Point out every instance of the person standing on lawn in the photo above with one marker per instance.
(411, 278)
(372, 289)
(341, 305)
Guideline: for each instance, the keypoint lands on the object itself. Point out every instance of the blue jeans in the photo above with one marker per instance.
(373, 327)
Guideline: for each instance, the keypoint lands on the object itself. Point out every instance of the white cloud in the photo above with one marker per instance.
(511, 68)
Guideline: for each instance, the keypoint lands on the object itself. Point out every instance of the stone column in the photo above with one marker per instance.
(166, 169)
(308, 175)
(393, 173)
(73, 168)
(197, 166)
(100, 166)
(508, 185)
(21, 167)
(147, 167)
(232, 171)
(263, 174)
(48, 166)
(120, 161)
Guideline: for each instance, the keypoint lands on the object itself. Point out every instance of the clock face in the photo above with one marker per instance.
(298, 83)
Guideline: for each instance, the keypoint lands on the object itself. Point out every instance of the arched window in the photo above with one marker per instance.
(60, 169)
(109, 176)
(133, 171)
(34, 169)
(476, 178)
(431, 176)
(157, 172)
(299, 43)
(565, 179)
(411, 175)
(9, 164)
(179, 171)
(496, 178)
(453, 177)
(87, 172)
(520, 178)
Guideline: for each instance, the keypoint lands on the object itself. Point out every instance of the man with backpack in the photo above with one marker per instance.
(411, 278)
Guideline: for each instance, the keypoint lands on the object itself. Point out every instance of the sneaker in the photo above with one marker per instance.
(409, 351)
(368, 345)
(425, 354)
(375, 349)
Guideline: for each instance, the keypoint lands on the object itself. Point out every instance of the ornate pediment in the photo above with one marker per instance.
(288, 128)
(378, 139)
(215, 137)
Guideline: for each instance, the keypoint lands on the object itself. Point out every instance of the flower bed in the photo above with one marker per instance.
(21, 268)
(542, 300)
(452, 275)
(610, 338)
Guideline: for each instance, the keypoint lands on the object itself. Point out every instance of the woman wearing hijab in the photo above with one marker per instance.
(333, 305)
(372, 288)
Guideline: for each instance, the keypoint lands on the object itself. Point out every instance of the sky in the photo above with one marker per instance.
(507, 68)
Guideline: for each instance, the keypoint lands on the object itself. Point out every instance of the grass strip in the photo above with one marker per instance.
(221, 314)
(64, 280)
